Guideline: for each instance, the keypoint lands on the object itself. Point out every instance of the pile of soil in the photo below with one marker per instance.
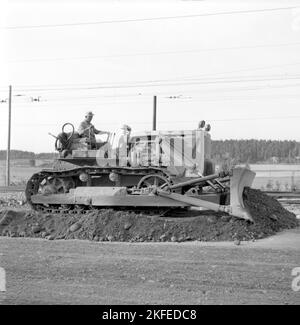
(109, 225)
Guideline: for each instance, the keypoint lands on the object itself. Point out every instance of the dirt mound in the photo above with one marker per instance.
(109, 225)
(267, 212)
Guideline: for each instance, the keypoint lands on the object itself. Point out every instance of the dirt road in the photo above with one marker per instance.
(82, 272)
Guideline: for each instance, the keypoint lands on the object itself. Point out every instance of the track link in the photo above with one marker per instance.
(34, 184)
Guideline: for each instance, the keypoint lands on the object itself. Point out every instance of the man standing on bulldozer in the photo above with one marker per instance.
(87, 130)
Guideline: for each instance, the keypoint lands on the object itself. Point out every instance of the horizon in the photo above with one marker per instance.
(55, 152)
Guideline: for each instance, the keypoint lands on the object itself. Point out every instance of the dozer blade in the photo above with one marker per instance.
(241, 178)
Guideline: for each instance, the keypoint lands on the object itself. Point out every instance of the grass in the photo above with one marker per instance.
(20, 170)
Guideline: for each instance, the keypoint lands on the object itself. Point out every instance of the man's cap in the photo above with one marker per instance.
(126, 127)
(90, 113)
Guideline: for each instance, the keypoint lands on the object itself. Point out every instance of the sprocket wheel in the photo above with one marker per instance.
(153, 181)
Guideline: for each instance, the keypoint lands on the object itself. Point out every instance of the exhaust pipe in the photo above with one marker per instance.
(154, 113)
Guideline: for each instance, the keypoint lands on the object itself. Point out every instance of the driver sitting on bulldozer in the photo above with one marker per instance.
(87, 130)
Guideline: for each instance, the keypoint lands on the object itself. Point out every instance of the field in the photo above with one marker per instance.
(280, 177)
(21, 170)
(276, 177)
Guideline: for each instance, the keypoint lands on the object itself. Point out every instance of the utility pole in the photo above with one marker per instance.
(154, 113)
(8, 140)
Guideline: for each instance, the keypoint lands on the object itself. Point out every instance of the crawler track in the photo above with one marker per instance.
(35, 184)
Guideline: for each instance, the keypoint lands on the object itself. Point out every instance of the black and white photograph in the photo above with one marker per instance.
(149, 155)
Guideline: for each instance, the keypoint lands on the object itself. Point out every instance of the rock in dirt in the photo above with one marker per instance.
(36, 229)
(163, 237)
(44, 234)
(7, 217)
(75, 227)
(127, 225)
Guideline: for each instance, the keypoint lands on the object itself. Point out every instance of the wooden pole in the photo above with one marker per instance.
(8, 139)
(154, 113)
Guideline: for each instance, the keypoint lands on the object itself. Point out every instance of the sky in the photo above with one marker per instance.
(234, 64)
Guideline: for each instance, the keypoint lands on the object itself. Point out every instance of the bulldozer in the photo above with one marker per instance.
(149, 171)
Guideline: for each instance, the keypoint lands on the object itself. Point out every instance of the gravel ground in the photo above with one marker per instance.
(293, 207)
(13, 200)
(84, 272)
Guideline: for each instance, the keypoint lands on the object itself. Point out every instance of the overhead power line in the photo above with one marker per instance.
(179, 99)
(163, 94)
(155, 53)
(149, 19)
(142, 96)
(241, 70)
(177, 78)
(162, 84)
(177, 122)
(79, 102)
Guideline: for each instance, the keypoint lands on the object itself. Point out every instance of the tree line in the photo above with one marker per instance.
(242, 151)
(20, 154)
(255, 151)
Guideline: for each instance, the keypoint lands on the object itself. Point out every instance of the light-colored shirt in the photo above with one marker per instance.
(87, 129)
